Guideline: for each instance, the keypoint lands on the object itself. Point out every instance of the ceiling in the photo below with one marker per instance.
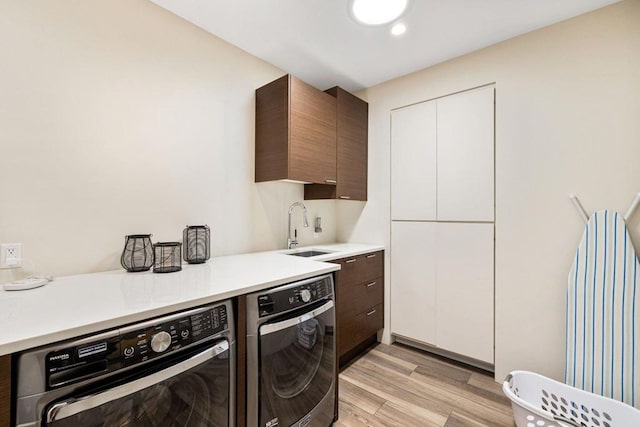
(319, 42)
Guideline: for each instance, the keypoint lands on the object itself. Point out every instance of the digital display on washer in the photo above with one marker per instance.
(209, 322)
(92, 349)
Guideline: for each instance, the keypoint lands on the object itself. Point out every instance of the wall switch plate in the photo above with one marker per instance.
(11, 255)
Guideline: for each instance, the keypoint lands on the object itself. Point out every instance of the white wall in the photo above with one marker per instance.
(567, 120)
(117, 117)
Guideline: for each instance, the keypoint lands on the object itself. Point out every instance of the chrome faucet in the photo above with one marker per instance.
(294, 242)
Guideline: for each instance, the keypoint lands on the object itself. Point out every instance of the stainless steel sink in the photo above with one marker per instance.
(309, 253)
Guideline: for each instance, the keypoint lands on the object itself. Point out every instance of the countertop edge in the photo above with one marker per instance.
(116, 322)
(323, 265)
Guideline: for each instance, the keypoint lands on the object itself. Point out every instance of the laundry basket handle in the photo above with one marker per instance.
(565, 422)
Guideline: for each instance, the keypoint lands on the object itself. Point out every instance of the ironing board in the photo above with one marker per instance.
(603, 311)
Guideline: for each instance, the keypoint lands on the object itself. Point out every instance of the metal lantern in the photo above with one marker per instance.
(138, 253)
(197, 242)
(168, 257)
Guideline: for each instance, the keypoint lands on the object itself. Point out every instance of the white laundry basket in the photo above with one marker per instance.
(538, 401)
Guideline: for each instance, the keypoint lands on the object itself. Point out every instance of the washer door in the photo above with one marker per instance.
(188, 392)
(297, 364)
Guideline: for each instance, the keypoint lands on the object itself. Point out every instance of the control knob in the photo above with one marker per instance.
(160, 342)
(305, 295)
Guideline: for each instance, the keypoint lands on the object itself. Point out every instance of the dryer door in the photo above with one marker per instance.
(191, 391)
(297, 364)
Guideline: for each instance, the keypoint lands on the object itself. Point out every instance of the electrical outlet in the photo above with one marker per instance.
(11, 255)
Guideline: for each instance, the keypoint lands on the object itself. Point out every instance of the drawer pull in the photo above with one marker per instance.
(345, 197)
(371, 256)
(371, 284)
(349, 261)
(330, 181)
(371, 312)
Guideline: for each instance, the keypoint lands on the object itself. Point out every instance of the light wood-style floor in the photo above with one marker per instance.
(399, 386)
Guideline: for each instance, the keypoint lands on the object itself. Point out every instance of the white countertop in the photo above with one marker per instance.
(72, 306)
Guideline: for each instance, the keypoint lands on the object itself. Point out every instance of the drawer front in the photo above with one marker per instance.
(370, 266)
(347, 334)
(369, 294)
(348, 273)
(370, 322)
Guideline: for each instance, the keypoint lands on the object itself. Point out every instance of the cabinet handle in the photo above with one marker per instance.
(330, 181)
(371, 312)
(371, 256)
(371, 284)
(345, 197)
(349, 261)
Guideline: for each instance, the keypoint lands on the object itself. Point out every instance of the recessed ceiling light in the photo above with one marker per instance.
(398, 29)
(377, 12)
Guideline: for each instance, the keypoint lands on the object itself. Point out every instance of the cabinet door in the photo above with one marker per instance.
(346, 279)
(466, 156)
(464, 266)
(413, 280)
(413, 162)
(312, 134)
(352, 124)
(352, 119)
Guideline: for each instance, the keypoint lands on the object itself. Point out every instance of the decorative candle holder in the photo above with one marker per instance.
(197, 242)
(138, 253)
(168, 257)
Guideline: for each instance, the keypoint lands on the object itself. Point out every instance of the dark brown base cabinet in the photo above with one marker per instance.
(359, 301)
(5, 391)
(359, 291)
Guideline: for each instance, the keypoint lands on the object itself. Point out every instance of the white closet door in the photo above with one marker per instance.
(413, 162)
(464, 265)
(465, 156)
(413, 280)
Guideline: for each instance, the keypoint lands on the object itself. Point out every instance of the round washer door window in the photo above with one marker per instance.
(297, 367)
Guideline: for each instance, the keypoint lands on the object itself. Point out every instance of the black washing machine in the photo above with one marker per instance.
(176, 370)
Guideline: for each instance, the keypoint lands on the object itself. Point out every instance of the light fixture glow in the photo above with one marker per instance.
(398, 29)
(377, 12)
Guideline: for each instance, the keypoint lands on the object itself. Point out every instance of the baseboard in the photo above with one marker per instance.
(489, 367)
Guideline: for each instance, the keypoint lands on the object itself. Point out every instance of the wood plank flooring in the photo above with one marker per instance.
(395, 385)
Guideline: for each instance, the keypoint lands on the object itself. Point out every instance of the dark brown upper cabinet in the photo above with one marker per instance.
(352, 118)
(295, 133)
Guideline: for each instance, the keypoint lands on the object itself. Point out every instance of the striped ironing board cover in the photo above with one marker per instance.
(603, 337)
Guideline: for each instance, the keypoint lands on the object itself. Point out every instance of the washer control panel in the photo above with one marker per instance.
(141, 344)
(120, 348)
(307, 292)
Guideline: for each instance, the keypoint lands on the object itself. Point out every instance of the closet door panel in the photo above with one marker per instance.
(413, 280)
(466, 156)
(464, 265)
(413, 162)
